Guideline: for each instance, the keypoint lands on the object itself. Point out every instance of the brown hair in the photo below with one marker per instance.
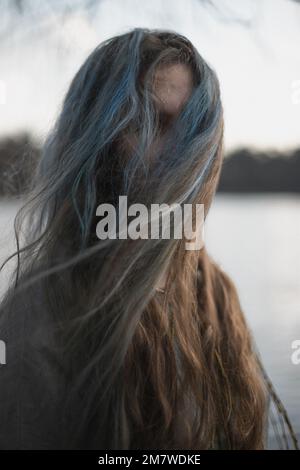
(192, 376)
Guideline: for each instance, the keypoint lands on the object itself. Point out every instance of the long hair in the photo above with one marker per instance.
(170, 370)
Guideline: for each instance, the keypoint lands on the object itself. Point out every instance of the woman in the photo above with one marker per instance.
(123, 343)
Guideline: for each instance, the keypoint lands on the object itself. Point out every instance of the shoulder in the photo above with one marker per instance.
(31, 380)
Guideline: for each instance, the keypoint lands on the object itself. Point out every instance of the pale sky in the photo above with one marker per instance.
(252, 44)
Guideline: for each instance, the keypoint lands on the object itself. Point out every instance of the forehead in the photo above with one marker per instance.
(172, 86)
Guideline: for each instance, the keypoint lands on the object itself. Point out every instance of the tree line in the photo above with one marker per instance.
(244, 170)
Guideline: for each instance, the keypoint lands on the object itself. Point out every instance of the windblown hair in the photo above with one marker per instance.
(176, 370)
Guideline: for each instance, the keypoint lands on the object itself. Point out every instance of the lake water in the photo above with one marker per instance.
(256, 239)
